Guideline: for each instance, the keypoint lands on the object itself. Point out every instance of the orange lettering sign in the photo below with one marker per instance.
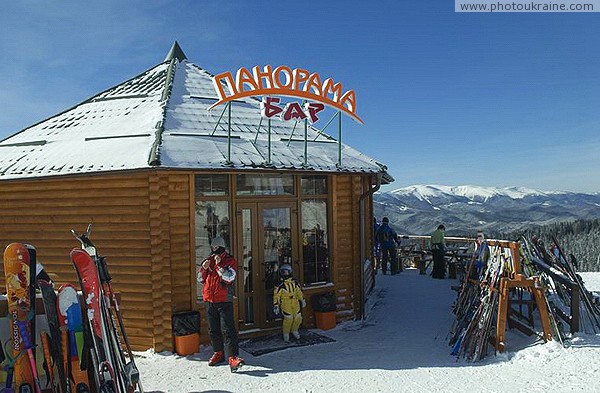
(283, 81)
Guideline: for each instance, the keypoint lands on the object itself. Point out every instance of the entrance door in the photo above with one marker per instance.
(267, 240)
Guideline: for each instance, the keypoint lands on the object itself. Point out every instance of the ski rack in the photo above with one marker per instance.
(532, 285)
(518, 280)
(573, 319)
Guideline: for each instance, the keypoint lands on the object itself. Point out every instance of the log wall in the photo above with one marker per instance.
(140, 223)
(346, 244)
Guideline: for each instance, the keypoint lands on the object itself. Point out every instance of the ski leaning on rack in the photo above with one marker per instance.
(593, 312)
(55, 347)
(101, 354)
(21, 310)
(103, 308)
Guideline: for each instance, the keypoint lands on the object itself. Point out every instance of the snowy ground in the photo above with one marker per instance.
(400, 347)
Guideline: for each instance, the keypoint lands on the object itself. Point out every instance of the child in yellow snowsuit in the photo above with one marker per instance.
(288, 298)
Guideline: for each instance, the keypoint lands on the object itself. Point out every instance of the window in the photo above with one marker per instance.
(314, 185)
(315, 244)
(212, 185)
(212, 216)
(315, 241)
(276, 184)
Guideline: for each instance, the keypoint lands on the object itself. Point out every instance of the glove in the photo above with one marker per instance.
(276, 309)
(227, 274)
(206, 264)
(302, 303)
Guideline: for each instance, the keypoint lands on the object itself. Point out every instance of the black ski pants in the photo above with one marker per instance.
(439, 264)
(221, 328)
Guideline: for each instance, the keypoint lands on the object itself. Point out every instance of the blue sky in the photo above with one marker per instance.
(447, 98)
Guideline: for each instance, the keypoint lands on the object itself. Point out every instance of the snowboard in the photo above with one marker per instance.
(17, 273)
(71, 322)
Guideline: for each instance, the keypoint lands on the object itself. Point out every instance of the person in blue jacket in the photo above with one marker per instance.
(387, 239)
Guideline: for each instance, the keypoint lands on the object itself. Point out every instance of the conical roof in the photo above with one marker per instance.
(160, 118)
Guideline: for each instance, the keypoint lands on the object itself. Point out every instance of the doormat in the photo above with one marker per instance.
(260, 345)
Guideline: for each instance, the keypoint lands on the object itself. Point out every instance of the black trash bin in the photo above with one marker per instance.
(324, 302)
(324, 307)
(186, 329)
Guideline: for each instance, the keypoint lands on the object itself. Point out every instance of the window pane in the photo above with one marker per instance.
(247, 265)
(212, 220)
(212, 185)
(277, 249)
(265, 184)
(315, 249)
(314, 185)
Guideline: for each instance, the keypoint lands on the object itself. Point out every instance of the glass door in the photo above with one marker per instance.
(267, 240)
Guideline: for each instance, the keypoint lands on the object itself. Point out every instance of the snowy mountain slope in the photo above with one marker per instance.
(464, 209)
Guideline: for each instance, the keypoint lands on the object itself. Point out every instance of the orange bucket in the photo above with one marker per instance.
(188, 344)
(325, 320)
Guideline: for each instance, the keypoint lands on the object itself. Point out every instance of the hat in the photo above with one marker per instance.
(217, 242)
(441, 227)
(385, 219)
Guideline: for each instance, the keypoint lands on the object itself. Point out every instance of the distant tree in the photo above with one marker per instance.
(580, 238)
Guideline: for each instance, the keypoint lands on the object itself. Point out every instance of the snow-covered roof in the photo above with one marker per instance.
(160, 118)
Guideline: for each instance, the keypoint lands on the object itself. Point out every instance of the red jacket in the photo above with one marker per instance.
(218, 278)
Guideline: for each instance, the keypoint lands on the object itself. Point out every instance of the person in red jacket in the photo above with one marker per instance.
(217, 273)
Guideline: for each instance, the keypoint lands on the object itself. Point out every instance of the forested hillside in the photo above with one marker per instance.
(580, 238)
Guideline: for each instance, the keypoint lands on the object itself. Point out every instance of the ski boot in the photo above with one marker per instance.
(296, 335)
(235, 363)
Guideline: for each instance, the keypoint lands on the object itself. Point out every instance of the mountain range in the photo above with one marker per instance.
(463, 210)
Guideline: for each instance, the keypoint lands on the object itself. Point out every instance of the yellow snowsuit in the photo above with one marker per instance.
(288, 296)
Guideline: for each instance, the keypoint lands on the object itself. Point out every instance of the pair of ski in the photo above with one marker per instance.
(112, 371)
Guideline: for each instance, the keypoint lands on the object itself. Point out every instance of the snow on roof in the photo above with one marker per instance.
(161, 119)
(114, 130)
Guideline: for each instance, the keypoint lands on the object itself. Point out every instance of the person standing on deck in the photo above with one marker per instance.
(376, 253)
(438, 245)
(387, 239)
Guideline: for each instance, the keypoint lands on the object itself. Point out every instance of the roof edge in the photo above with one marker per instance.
(154, 158)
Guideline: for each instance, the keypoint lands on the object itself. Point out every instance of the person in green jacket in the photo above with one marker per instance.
(438, 245)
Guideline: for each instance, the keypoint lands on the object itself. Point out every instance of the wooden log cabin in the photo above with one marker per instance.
(159, 175)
